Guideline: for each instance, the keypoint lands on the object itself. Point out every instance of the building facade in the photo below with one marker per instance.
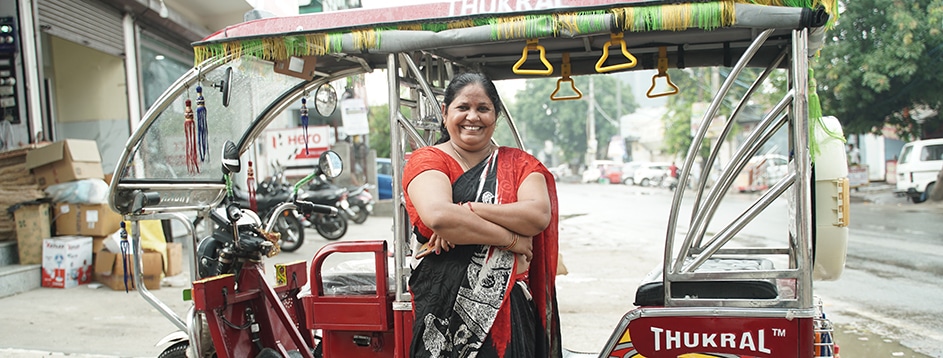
(89, 69)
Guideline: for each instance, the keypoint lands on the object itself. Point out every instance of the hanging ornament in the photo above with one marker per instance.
(125, 256)
(202, 129)
(304, 121)
(250, 185)
(189, 130)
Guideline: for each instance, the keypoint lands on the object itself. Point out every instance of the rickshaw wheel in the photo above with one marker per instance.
(177, 350)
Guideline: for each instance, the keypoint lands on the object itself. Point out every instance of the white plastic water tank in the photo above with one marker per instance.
(831, 200)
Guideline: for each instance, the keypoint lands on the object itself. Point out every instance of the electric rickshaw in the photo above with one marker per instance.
(709, 298)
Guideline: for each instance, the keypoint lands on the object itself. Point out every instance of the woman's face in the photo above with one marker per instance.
(470, 118)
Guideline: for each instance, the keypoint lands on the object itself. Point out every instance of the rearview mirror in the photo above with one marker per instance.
(325, 100)
(224, 86)
(331, 164)
(230, 157)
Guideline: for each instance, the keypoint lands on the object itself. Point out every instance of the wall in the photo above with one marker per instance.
(13, 135)
(91, 100)
(89, 84)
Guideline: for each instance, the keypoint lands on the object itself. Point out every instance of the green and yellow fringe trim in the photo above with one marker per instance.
(675, 17)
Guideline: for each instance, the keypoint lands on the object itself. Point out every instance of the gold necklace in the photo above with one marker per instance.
(455, 149)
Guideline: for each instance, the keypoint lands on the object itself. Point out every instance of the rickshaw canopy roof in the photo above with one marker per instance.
(492, 36)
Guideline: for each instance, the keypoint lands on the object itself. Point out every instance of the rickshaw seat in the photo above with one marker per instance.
(652, 291)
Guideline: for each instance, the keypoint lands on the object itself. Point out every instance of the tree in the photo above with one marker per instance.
(541, 119)
(881, 65)
(379, 117)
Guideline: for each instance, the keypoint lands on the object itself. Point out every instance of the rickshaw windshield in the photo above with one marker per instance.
(161, 152)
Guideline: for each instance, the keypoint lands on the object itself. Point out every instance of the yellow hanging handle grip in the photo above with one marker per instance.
(615, 38)
(532, 45)
(565, 71)
(662, 72)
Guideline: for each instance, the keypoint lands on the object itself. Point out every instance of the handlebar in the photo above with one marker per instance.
(307, 206)
(304, 206)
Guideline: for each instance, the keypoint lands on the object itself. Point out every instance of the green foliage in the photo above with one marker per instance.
(698, 85)
(881, 61)
(379, 117)
(540, 119)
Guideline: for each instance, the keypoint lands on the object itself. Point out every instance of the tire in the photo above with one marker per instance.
(644, 182)
(177, 350)
(331, 227)
(361, 216)
(628, 181)
(924, 195)
(292, 231)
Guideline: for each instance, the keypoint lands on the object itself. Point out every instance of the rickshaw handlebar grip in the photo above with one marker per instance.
(309, 207)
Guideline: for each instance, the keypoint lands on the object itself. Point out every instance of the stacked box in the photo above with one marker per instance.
(86, 219)
(65, 161)
(32, 227)
(67, 261)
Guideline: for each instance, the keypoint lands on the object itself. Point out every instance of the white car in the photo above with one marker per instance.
(628, 172)
(650, 173)
(917, 168)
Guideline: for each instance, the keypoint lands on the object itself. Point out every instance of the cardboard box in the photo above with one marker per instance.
(174, 259)
(67, 261)
(109, 270)
(33, 224)
(86, 219)
(98, 243)
(65, 161)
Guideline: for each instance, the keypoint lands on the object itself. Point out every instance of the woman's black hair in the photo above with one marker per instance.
(457, 84)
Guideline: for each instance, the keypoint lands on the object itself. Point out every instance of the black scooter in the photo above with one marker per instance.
(324, 193)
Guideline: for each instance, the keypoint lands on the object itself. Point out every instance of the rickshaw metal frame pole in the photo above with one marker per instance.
(775, 120)
(285, 101)
(695, 148)
(709, 164)
(795, 102)
(803, 192)
(137, 252)
(400, 223)
(193, 325)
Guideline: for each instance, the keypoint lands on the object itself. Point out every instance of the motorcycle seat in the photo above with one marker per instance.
(652, 291)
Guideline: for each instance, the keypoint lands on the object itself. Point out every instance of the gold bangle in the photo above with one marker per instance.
(514, 238)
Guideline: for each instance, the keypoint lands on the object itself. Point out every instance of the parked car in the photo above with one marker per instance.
(649, 173)
(917, 168)
(603, 171)
(384, 178)
(628, 172)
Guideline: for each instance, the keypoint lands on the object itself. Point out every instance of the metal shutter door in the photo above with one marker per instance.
(86, 22)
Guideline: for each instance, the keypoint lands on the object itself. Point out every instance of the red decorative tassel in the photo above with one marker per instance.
(250, 185)
(189, 130)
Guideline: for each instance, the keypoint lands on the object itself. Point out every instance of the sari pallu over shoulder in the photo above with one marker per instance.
(456, 322)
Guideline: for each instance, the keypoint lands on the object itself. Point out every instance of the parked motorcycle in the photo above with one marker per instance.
(269, 195)
(330, 227)
(360, 204)
(355, 205)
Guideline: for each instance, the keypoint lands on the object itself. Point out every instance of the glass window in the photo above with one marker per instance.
(905, 154)
(161, 65)
(932, 152)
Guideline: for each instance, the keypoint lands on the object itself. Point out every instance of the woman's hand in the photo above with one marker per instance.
(522, 245)
(435, 244)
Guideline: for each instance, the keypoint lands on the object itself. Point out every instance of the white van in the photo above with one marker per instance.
(917, 168)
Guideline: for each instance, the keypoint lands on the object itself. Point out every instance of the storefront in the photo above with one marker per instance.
(88, 69)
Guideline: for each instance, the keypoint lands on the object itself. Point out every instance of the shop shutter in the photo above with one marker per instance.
(86, 22)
